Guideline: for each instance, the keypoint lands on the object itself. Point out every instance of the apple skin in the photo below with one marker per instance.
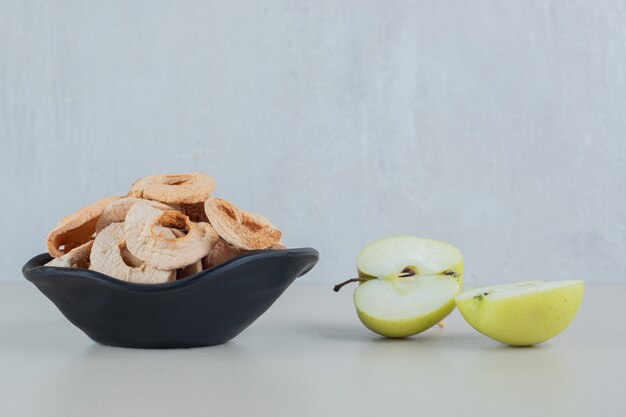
(525, 319)
(403, 328)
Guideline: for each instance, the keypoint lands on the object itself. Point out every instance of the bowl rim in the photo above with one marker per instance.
(33, 270)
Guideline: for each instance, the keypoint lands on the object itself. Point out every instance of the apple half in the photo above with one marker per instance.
(522, 314)
(407, 284)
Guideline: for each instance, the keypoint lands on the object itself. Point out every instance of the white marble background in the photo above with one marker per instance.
(497, 126)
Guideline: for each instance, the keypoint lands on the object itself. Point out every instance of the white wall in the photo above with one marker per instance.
(497, 126)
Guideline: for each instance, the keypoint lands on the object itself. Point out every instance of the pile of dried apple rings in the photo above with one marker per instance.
(167, 227)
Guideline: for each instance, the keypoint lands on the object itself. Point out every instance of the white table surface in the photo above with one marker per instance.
(310, 356)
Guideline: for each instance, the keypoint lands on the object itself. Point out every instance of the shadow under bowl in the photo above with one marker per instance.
(208, 308)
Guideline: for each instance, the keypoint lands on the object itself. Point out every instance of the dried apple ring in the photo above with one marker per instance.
(174, 188)
(145, 238)
(77, 228)
(278, 245)
(110, 256)
(242, 229)
(76, 258)
(117, 210)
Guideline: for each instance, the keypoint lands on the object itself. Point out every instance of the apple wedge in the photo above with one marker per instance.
(407, 284)
(522, 314)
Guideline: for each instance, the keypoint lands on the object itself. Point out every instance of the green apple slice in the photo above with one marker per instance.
(522, 314)
(395, 308)
(392, 254)
(408, 284)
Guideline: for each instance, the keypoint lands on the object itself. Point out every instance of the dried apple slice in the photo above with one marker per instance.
(76, 258)
(77, 228)
(164, 252)
(110, 256)
(242, 229)
(174, 188)
(117, 210)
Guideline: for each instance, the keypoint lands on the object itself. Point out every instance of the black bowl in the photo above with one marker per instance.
(208, 308)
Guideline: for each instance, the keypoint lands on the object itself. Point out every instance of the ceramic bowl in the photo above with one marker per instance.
(208, 308)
